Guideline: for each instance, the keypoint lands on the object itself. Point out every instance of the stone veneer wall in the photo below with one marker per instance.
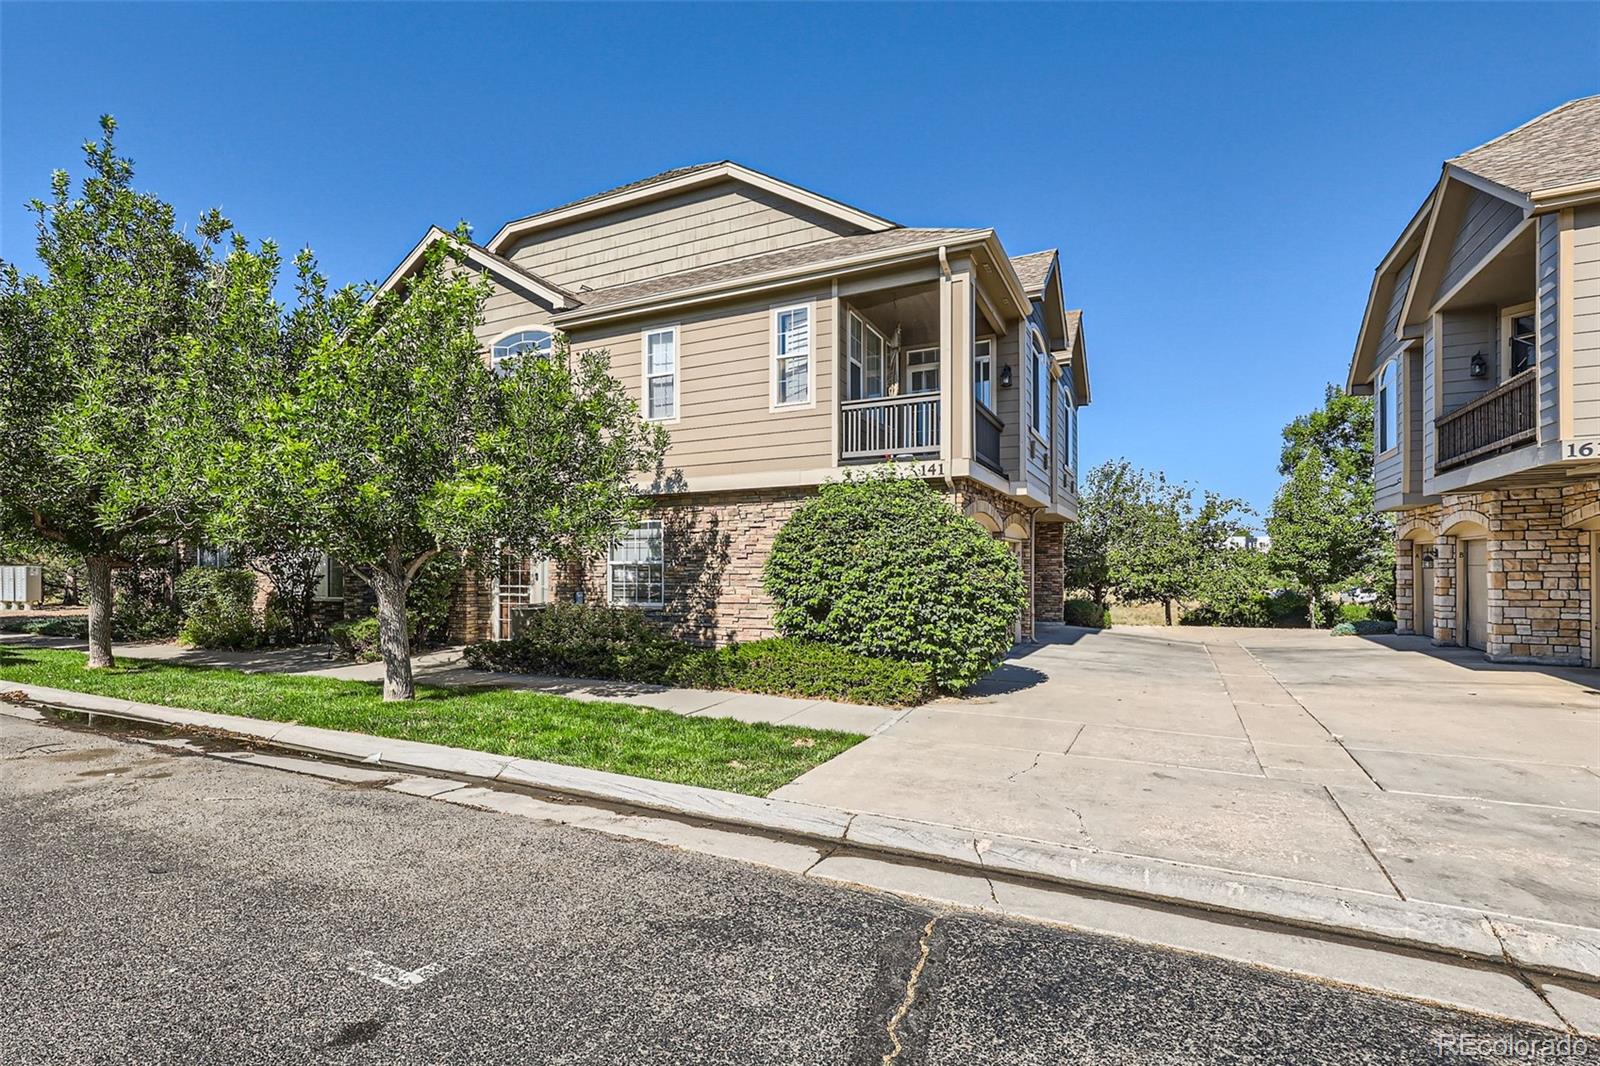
(1539, 570)
(716, 545)
(1048, 594)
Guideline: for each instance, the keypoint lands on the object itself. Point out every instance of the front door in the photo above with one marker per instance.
(1422, 588)
(1475, 586)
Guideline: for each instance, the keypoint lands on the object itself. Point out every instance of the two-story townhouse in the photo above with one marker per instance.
(784, 339)
(1481, 346)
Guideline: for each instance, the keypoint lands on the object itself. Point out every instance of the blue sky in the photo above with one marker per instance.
(1221, 179)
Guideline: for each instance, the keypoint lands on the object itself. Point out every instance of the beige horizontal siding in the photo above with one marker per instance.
(725, 424)
(700, 227)
(1585, 295)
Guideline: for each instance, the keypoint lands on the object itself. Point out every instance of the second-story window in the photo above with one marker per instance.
(791, 356)
(1041, 386)
(661, 374)
(1386, 410)
(922, 370)
(505, 351)
(1520, 338)
(983, 372)
(865, 358)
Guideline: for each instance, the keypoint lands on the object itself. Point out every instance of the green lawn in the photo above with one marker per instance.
(714, 752)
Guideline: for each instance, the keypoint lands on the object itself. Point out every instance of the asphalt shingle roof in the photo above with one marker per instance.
(1033, 268)
(816, 253)
(1560, 147)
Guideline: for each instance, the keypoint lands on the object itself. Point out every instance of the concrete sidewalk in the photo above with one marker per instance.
(445, 666)
(1384, 767)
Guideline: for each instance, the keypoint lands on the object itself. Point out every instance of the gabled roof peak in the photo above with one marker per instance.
(678, 179)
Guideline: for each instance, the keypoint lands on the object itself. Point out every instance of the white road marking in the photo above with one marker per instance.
(368, 964)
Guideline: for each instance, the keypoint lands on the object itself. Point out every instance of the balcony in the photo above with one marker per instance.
(1497, 421)
(889, 428)
(987, 429)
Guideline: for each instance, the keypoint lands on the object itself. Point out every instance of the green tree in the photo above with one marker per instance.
(1326, 531)
(1143, 537)
(395, 443)
(91, 355)
(1321, 533)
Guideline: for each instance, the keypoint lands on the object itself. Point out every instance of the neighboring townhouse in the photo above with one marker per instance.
(784, 339)
(1481, 347)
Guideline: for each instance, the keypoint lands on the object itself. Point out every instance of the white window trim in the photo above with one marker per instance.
(610, 584)
(677, 372)
(525, 327)
(994, 380)
(810, 308)
(883, 358)
(905, 362)
(1507, 316)
(1394, 404)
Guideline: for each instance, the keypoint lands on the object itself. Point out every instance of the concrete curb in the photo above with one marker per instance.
(1527, 944)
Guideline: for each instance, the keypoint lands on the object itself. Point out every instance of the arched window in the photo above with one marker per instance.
(539, 342)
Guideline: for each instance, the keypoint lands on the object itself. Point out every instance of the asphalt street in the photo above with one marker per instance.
(158, 907)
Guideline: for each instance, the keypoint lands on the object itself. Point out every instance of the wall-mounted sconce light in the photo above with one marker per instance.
(1005, 377)
(1480, 366)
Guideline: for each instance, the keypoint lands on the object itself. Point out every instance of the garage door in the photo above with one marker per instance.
(1476, 617)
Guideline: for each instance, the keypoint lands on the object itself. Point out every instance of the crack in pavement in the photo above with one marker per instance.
(1517, 972)
(833, 849)
(924, 946)
(1035, 765)
(977, 849)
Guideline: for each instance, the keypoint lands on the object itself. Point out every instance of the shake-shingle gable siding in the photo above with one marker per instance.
(695, 228)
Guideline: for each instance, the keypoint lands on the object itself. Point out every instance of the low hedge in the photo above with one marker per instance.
(1086, 613)
(616, 644)
(1365, 627)
(786, 667)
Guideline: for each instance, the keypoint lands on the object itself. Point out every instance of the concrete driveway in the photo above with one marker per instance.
(1380, 765)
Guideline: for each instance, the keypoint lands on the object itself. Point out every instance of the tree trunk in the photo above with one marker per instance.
(1167, 606)
(394, 640)
(99, 567)
(1312, 601)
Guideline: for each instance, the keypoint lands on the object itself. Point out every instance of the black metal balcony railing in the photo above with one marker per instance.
(1500, 419)
(986, 438)
(883, 429)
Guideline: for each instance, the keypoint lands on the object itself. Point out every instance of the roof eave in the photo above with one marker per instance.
(1412, 233)
(558, 298)
(727, 289)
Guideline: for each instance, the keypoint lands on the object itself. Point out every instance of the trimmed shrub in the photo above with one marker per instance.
(1085, 613)
(885, 567)
(357, 640)
(784, 667)
(218, 608)
(1365, 627)
(1250, 612)
(74, 626)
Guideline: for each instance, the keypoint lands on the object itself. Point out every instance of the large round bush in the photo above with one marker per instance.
(885, 566)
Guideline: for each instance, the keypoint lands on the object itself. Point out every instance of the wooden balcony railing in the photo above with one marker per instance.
(1504, 417)
(884, 429)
